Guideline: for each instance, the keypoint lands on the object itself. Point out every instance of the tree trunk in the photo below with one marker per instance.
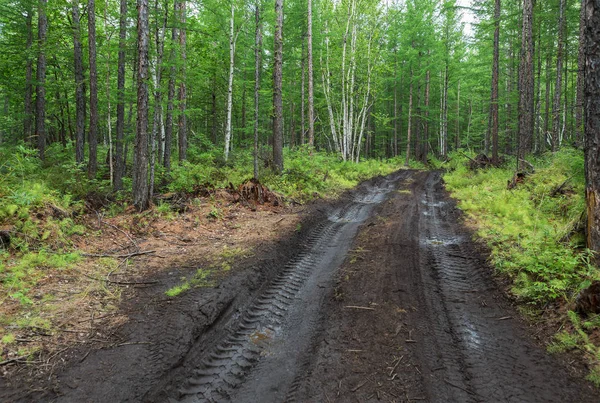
(40, 102)
(457, 134)
(592, 123)
(159, 38)
(93, 132)
(311, 99)
(182, 85)
(302, 96)
(257, 64)
(140, 169)
(580, 77)
(557, 89)
(214, 109)
(170, 106)
(425, 150)
(495, 76)
(79, 87)
(229, 105)
(395, 114)
(28, 118)
(277, 89)
(526, 85)
(410, 103)
(119, 161)
(108, 115)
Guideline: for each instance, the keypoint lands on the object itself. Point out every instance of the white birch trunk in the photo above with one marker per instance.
(230, 83)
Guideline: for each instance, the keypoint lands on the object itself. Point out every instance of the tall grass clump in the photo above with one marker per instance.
(533, 230)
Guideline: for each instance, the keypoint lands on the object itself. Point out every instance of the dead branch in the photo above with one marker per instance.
(16, 359)
(359, 307)
(127, 256)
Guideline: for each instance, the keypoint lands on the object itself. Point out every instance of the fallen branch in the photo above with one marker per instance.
(359, 307)
(127, 256)
(17, 359)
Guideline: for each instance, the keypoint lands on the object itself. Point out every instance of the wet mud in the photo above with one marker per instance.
(381, 297)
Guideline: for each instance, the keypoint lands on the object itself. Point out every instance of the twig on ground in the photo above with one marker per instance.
(127, 256)
(16, 359)
(121, 231)
(396, 366)
(460, 387)
(359, 307)
(132, 343)
(360, 385)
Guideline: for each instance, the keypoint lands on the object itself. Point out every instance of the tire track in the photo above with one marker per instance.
(484, 355)
(268, 329)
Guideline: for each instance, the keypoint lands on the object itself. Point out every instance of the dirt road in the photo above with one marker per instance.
(383, 297)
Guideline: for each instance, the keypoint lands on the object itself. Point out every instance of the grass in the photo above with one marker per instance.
(535, 238)
(532, 233)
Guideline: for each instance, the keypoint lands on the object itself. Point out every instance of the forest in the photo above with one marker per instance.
(361, 79)
(165, 143)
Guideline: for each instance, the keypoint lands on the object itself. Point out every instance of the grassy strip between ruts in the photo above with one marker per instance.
(43, 276)
(535, 236)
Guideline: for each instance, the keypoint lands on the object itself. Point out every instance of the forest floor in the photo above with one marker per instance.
(379, 296)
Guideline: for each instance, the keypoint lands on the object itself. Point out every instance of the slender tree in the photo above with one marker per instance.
(170, 103)
(495, 78)
(277, 89)
(257, 70)
(559, 68)
(159, 42)
(410, 107)
(40, 103)
(93, 130)
(182, 123)
(140, 169)
(119, 160)
(28, 118)
(526, 85)
(79, 86)
(311, 95)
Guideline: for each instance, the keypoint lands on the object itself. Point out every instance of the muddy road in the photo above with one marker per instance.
(383, 297)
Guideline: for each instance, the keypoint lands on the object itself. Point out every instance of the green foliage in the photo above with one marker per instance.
(305, 176)
(530, 228)
(202, 278)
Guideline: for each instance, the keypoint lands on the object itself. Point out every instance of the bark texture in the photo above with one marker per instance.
(120, 162)
(277, 89)
(495, 79)
(526, 85)
(557, 89)
(257, 64)
(580, 77)
(93, 132)
(28, 118)
(592, 122)
(40, 102)
(182, 123)
(140, 169)
(311, 96)
(79, 87)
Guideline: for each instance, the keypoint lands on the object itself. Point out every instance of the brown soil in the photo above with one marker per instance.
(381, 296)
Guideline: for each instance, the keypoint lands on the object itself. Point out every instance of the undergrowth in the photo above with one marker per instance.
(534, 233)
(43, 207)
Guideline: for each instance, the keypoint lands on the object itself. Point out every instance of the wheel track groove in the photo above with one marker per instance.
(226, 365)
